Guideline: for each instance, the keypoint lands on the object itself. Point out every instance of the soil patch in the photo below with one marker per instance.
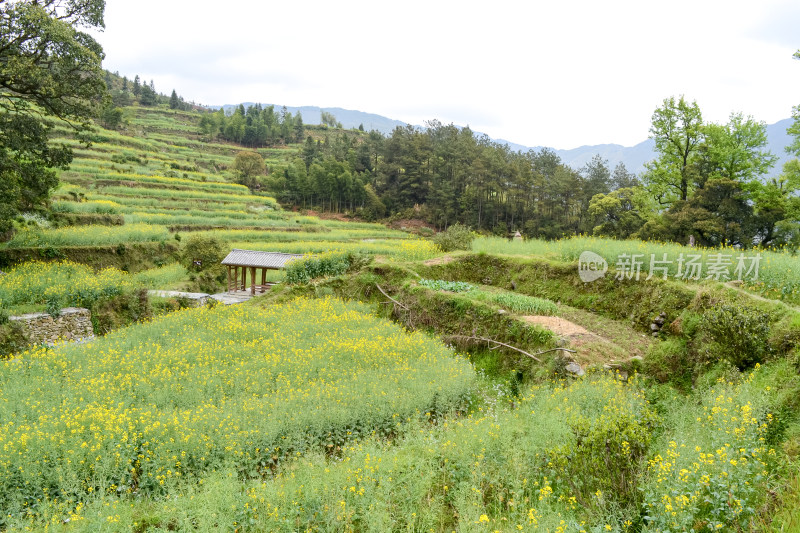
(559, 326)
(591, 348)
(413, 225)
(443, 260)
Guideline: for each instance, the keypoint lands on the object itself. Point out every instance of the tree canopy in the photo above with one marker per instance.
(49, 68)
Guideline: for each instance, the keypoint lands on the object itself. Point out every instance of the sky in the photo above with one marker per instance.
(560, 73)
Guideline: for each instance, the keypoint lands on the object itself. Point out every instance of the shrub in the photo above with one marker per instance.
(203, 255)
(12, 339)
(456, 237)
(200, 253)
(668, 362)
(316, 266)
(741, 332)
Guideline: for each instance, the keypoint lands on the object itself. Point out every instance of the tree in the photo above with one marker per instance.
(677, 129)
(620, 213)
(174, 103)
(249, 165)
(737, 150)
(111, 117)
(327, 119)
(147, 96)
(48, 68)
(299, 130)
(718, 213)
(622, 179)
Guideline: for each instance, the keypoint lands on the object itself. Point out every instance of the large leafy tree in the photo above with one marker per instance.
(677, 129)
(49, 69)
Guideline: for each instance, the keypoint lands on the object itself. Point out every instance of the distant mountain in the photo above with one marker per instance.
(634, 157)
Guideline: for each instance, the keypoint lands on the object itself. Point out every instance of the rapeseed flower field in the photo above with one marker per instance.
(64, 283)
(146, 408)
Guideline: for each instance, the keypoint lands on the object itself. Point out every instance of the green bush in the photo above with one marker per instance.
(319, 265)
(202, 256)
(12, 339)
(201, 253)
(456, 237)
(668, 362)
(741, 332)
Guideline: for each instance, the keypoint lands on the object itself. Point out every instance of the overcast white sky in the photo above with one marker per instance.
(557, 73)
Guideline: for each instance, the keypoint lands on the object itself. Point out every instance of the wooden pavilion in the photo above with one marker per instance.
(250, 260)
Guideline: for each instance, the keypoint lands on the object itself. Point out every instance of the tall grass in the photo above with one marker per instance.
(399, 250)
(88, 236)
(160, 277)
(778, 271)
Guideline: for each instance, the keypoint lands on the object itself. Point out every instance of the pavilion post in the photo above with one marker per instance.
(228, 286)
(235, 278)
(253, 281)
(263, 280)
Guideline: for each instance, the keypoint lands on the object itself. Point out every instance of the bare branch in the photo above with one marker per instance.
(484, 339)
(392, 299)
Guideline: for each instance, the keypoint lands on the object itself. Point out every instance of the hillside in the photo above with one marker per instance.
(633, 157)
(379, 384)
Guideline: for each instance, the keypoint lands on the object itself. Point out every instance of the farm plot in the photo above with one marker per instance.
(155, 405)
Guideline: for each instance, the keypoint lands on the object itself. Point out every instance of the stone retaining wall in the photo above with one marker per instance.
(193, 299)
(74, 323)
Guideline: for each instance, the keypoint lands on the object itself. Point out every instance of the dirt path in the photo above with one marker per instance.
(619, 341)
(442, 260)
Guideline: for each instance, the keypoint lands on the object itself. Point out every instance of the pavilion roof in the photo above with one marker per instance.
(252, 258)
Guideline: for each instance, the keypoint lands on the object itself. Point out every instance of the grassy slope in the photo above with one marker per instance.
(161, 171)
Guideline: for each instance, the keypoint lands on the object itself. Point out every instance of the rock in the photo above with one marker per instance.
(513, 285)
(654, 327)
(501, 311)
(655, 334)
(574, 368)
(659, 321)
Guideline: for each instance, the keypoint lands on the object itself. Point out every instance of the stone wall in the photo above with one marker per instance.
(74, 323)
(192, 299)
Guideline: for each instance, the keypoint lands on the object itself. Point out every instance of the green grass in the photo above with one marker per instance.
(517, 303)
(441, 285)
(87, 236)
(778, 271)
(161, 277)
